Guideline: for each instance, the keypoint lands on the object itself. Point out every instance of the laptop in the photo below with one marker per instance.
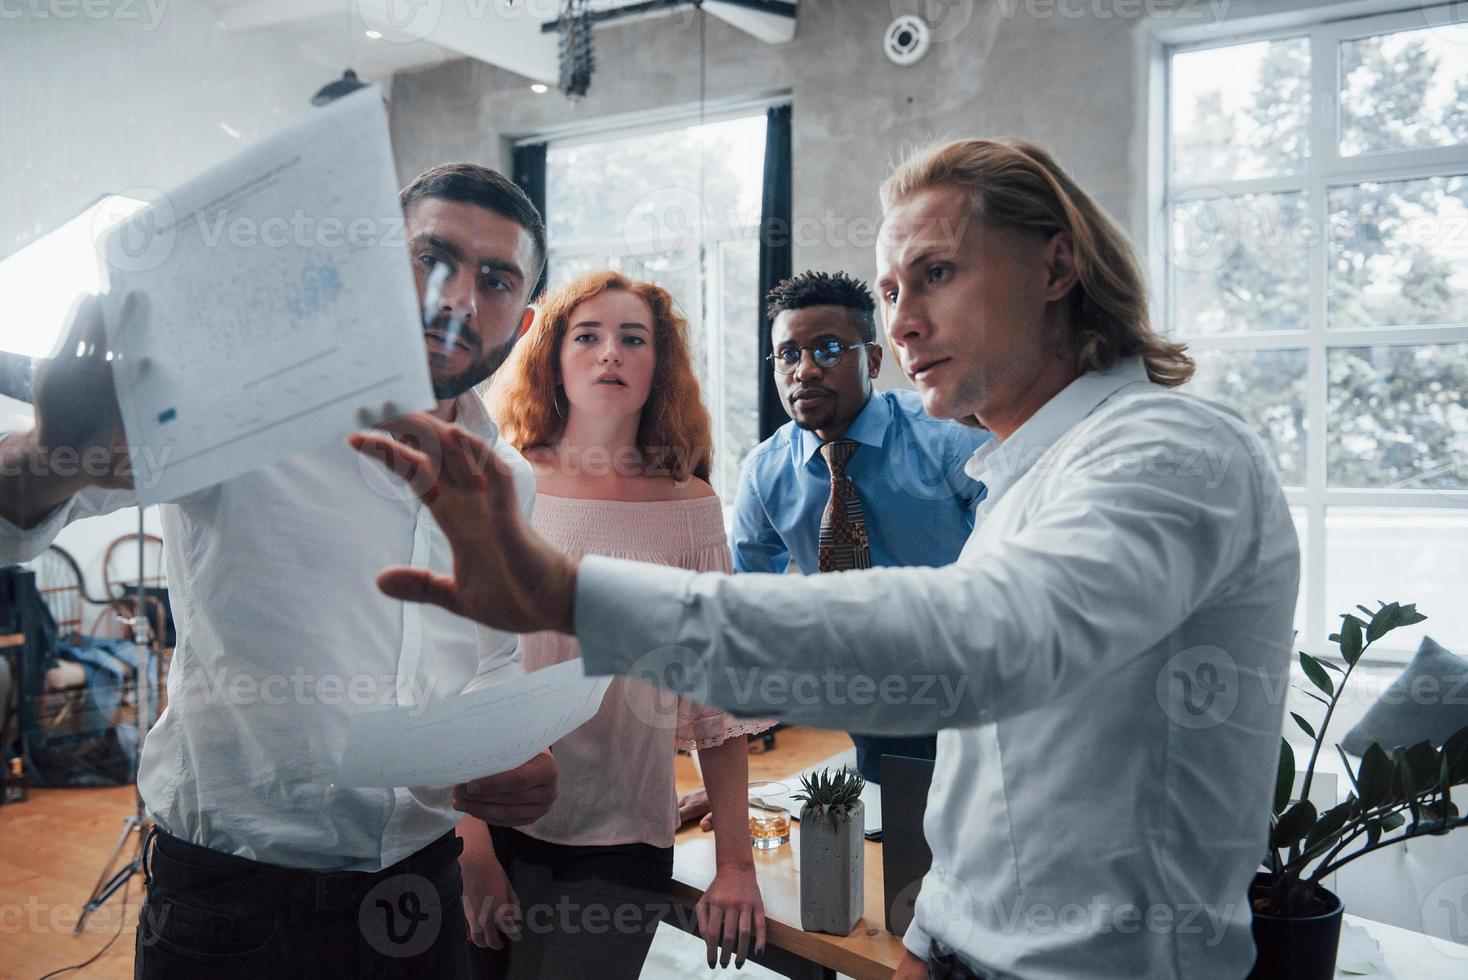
(905, 854)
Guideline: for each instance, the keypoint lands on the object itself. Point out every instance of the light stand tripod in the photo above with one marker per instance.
(137, 824)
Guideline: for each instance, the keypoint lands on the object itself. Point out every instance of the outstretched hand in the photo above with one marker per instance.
(505, 574)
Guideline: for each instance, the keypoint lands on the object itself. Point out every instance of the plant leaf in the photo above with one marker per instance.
(1392, 821)
(1455, 753)
(1312, 694)
(1330, 822)
(1350, 643)
(1316, 673)
(1422, 763)
(1284, 781)
(1383, 621)
(1374, 778)
(1330, 665)
(1304, 725)
(1293, 824)
(1439, 811)
(1347, 763)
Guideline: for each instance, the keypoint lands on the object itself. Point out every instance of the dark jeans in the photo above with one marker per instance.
(871, 748)
(215, 915)
(585, 911)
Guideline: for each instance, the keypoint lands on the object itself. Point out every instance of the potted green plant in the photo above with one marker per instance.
(1395, 796)
(831, 850)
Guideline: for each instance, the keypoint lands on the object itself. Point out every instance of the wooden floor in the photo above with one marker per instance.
(53, 846)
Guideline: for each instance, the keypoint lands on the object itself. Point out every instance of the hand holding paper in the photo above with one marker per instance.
(514, 798)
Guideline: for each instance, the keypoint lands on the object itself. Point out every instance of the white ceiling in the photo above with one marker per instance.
(416, 33)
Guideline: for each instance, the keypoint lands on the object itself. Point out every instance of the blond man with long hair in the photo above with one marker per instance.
(600, 395)
(1102, 662)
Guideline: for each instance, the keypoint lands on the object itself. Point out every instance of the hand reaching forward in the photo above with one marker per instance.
(505, 575)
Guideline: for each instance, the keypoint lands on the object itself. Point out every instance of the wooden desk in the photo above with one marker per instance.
(869, 953)
(872, 953)
(8, 640)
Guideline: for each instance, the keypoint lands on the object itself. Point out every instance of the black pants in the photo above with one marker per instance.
(585, 911)
(215, 915)
(871, 748)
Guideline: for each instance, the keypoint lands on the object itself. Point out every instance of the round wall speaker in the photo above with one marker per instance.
(907, 40)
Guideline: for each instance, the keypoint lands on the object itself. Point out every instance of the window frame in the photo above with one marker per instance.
(1325, 170)
(709, 312)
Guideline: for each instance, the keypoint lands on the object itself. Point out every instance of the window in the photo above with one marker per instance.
(1315, 246)
(680, 207)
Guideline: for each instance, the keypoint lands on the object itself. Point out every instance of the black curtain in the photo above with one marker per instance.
(774, 255)
(529, 173)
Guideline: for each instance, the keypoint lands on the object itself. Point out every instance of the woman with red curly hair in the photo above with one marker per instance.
(601, 397)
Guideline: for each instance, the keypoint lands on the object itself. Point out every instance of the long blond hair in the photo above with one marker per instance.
(1016, 184)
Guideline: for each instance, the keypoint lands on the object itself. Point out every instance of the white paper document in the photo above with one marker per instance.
(277, 300)
(472, 735)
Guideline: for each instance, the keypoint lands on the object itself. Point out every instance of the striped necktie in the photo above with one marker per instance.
(843, 543)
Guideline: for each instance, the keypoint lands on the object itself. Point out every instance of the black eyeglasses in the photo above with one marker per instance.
(825, 355)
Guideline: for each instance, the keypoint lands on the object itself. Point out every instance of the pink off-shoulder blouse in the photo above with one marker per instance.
(616, 771)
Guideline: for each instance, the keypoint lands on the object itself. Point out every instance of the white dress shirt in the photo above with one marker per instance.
(282, 634)
(1107, 659)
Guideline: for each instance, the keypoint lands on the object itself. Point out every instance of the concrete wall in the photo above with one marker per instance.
(1069, 74)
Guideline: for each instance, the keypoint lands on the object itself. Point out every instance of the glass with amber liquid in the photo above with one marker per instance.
(769, 824)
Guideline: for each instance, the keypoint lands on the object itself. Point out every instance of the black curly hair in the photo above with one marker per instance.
(826, 289)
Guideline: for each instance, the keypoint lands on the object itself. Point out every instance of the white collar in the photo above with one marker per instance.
(999, 463)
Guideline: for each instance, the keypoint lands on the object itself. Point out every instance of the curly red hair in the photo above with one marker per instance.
(530, 407)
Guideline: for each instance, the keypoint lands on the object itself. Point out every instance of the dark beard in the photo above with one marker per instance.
(445, 388)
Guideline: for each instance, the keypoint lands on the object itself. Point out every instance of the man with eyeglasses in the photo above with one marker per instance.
(858, 478)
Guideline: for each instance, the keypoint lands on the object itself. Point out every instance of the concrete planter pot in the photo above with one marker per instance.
(831, 871)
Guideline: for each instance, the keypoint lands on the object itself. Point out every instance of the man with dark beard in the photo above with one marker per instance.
(259, 866)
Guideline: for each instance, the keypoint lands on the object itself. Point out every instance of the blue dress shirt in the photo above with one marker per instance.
(916, 498)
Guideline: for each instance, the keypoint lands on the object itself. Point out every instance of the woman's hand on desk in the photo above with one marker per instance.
(693, 806)
(730, 913)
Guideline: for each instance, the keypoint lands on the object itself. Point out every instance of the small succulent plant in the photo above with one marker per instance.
(830, 794)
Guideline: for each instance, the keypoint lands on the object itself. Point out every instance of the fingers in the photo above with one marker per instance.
(514, 798)
(746, 927)
(431, 455)
(692, 805)
(728, 935)
(419, 585)
(507, 916)
(472, 921)
(540, 771)
(409, 464)
(759, 931)
(707, 823)
(709, 929)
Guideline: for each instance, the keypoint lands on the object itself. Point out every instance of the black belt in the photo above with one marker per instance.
(947, 966)
(228, 877)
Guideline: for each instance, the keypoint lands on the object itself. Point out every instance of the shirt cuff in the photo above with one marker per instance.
(625, 610)
(22, 544)
(918, 942)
